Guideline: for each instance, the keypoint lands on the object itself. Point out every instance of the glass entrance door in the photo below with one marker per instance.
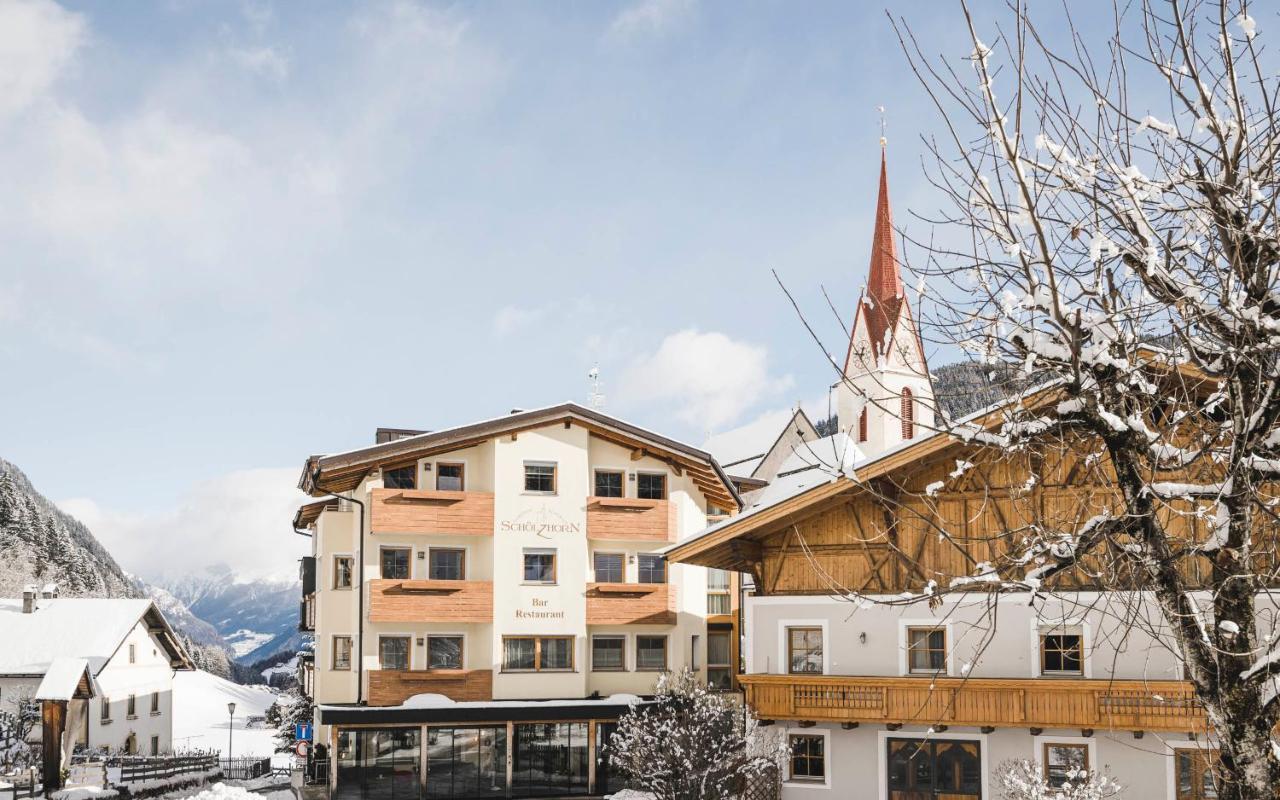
(550, 759)
(466, 762)
(942, 769)
(377, 764)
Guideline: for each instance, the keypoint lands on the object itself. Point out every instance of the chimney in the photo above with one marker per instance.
(50, 591)
(29, 599)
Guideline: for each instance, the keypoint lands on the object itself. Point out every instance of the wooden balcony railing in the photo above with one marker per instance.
(429, 511)
(1032, 703)
(392, 687)
(630, 518)
(631, 604)
(425, 601)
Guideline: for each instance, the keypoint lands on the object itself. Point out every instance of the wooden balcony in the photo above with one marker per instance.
(393, 600)
(430, 511)
(1031, 703)
(631, 604)
(630, 518)
(392, 687)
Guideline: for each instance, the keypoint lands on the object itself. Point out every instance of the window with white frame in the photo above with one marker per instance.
(1062, 651)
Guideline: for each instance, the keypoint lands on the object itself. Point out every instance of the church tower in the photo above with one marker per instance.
(886, 396)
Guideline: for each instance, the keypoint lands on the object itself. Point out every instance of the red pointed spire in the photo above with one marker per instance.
(884, 281)
(884, 293)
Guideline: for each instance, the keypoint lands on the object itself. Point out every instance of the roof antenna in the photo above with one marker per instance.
(595, 400)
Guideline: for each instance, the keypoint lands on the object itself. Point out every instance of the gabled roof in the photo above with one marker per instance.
(343, 471)
(67, 678)
(67, 627)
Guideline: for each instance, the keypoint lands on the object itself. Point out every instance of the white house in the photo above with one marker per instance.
(131, 653)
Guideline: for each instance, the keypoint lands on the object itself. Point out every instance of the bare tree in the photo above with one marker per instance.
(1110, 234)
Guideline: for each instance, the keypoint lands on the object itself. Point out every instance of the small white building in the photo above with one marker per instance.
(131, 653)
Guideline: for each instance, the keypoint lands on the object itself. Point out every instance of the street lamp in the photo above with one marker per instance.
(231, 716)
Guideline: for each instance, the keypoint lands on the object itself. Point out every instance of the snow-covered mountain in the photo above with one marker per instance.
(256, 619)
(43, 544)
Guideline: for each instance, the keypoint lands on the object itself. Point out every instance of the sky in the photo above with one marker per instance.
(238, 233)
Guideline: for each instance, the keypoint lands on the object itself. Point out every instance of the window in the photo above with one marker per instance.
(718, 592)
(1194, 774)
(651, 486)
(401, 477)
(342, 572)
(540, 478)
(862, 425)
(719, 661)
(608, 483)
(341, 652)
(446, 564)
(808, 757)
(155, 745)
(804, 651)
(539, 566)
(131, 710)
(393, 652)
(609, 568)
(651, 653)
(133, 654)
(908, 415)
(926, 650)
(608, 653)
(444, 652)
(395, 562)
(1064, 762)
(537, 653)
(155, 702)
(105, 714)
(450, 477)
(652, 568)
(1062, 652)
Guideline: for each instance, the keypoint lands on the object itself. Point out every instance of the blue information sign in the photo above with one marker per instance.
(302, 731)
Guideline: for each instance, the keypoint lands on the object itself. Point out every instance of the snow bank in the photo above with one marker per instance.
(630, 794)
(84, 793)
(200, 715)
(226, 791)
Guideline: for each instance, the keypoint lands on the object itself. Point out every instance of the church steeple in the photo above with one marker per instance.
(885, 396)
(884, 293)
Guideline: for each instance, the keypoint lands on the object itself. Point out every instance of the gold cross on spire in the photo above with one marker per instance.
(883, 140)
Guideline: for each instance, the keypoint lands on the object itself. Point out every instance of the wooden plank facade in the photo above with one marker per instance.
(393, 600)
(629, 518)
(431, 511)
(388, 687)
(1058, 703)
(631, 604)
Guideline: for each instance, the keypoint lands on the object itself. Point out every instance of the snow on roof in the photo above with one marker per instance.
(63, 677)
(88, 628)
(750, 441)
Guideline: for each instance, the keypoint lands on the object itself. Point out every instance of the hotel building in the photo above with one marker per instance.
(488, 599)
(924, 701)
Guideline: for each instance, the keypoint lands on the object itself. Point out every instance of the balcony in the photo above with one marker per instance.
(393, 600)
(392, 687)
(630, 518)
(430, 511)
(631, 604)
(307, 614)
(1039, 703)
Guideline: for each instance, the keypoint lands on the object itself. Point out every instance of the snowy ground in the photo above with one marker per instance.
(244, 641)
(231, 791)
(200, 715)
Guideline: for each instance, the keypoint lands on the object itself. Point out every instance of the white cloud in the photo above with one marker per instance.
(38, 38)
(510, 319)
(650, 18)
(267, 61)
(240, 519)
(706, 379)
